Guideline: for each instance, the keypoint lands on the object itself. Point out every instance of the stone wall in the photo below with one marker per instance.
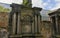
(45, 26)
(3, 19)
(3, 24)
(46, 29)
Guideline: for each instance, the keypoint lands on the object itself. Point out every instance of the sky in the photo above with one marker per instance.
(45, 4)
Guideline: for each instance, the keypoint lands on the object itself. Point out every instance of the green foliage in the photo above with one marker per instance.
(25, 2)
(2, 9)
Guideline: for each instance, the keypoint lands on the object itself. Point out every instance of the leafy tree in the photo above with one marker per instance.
(2, 9)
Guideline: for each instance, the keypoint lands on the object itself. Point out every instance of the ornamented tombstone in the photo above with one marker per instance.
(55, 20)
(24, 21)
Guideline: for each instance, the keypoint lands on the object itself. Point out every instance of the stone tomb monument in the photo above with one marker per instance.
(55, 20)
(24, 21)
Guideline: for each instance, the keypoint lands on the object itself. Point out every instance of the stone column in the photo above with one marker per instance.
(39, 23)
(51, 24)
(19, 22)
(35, 24)
(56, 20)
(52, 27)
(14, 23)
(19, 25)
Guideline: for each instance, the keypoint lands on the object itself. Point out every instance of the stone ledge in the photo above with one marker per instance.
(28, 35)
